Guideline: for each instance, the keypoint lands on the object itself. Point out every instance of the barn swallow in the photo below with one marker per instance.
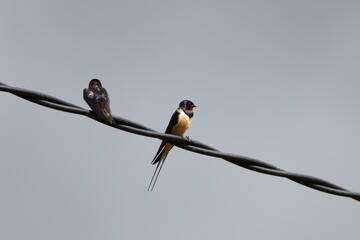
(179, 123)
(98, 100)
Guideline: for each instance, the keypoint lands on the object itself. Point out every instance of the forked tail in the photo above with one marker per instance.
(156, 175)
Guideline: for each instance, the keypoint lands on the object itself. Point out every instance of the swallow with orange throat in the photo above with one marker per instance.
(98, 100)
(178, 125)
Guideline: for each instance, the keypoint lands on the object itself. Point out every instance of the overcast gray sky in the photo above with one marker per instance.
(273, 80)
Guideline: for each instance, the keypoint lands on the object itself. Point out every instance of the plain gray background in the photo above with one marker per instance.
(273, 80)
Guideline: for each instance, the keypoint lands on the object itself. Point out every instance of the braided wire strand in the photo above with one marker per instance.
(190, 145)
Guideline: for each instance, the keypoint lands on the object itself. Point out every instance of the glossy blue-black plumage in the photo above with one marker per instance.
(187, 106)
(98, 100)
(178, 124)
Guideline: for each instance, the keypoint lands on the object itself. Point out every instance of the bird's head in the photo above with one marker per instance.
(95, 82)
(187, 105)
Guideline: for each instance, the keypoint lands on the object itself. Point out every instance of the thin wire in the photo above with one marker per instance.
(190, 145)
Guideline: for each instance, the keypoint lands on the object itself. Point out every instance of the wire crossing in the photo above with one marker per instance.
(190, 145)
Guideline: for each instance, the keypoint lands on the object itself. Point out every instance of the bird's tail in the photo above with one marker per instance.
(156, 174)
(159, 159)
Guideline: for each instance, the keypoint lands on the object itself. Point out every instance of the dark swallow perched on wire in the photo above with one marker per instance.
(179, 123)
(98, 100)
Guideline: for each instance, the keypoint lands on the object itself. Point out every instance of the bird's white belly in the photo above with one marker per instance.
(183, 124)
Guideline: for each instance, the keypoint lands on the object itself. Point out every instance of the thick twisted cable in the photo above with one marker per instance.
(190, 145)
